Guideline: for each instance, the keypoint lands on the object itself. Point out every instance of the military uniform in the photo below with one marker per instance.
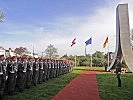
(40, 78)
(29, 74)
(118, 72)
(2, 78)
(11, 79)
(51, 66)
(49, 69)
(35, 72)
(21, 75)
(56, 68)
(45, 70)
(60, 66)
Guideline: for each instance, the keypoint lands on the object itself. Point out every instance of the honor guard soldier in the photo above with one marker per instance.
(40, 78)
(63, 67)
(49, 68)
(21, 74)
(58, 66)
(35, 71)
(2, 76)
(67, 66)
(29, 73)
(11, 72)
(45, 70)
(54, 69)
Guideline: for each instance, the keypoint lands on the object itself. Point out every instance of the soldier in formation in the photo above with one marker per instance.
(21, 74)
(35, 71)
(2, 76)
(29, 73)
(11, 75)
(17, 73)
(40, 78)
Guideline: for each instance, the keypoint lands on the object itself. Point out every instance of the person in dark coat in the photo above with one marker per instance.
(118, 71)
(21, 74)
(11, 72)
(29, 73)
(45, 69)
(2, 77)
(35, 71)
(40, 77)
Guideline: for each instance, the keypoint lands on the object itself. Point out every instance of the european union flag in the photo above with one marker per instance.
(88, 41)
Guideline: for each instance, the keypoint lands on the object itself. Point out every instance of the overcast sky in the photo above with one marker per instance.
(39, 23)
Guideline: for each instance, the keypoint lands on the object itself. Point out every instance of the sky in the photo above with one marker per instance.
(39, 23)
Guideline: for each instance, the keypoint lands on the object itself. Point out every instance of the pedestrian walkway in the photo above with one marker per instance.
(83, 87)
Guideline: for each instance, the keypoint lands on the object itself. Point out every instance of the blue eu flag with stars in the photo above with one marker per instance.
(88, 41)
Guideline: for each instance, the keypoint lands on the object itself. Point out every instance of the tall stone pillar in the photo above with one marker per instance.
(123, 44)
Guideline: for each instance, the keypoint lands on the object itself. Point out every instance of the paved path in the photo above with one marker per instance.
(83, 87)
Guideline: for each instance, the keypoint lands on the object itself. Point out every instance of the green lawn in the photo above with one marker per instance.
(107, 84)
(108, 89)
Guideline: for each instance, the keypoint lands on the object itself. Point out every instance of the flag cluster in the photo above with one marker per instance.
(89, 41)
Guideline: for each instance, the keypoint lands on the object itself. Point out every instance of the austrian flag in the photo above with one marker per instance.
(73, 42)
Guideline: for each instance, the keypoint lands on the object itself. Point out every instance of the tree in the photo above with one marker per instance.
(51, 52)
(98, 58)
(20, 50)
(64, 56)
(1, 16)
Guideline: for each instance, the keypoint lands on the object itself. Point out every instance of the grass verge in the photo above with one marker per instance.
(108, 89)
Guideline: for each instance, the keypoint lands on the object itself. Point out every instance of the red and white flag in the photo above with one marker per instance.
(73, 42)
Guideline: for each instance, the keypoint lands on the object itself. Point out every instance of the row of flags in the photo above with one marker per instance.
(89, 41)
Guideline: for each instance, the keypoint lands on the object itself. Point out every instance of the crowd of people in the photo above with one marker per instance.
(18, 73)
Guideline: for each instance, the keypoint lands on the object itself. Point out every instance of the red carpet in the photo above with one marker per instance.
(83, 87)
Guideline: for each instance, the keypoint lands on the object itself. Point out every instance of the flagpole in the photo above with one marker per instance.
(75, 60)
(91, 59)
(85, 50)
(89, 42)
(108, 53)
(91, 53)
